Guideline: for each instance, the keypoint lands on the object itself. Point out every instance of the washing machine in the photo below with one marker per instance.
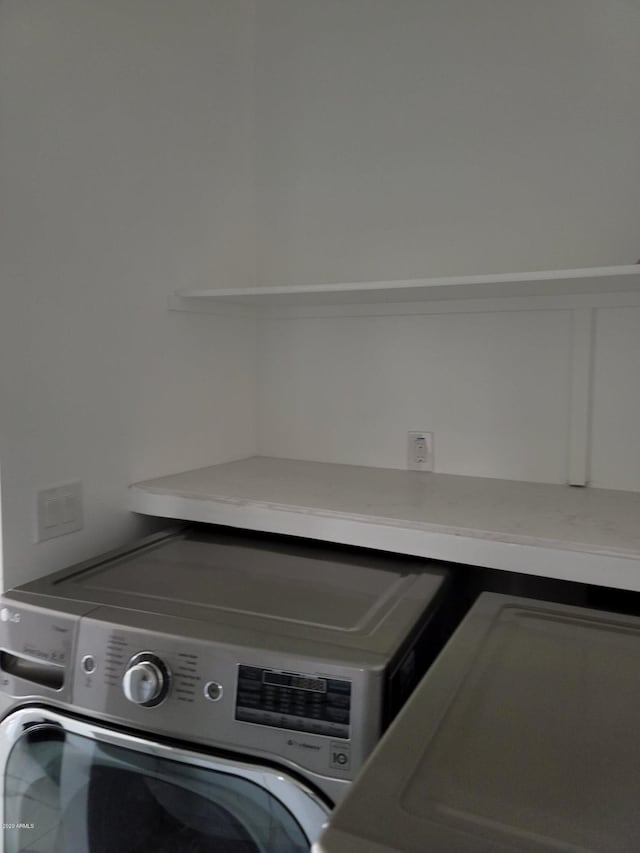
(203, 691)
(521, 738)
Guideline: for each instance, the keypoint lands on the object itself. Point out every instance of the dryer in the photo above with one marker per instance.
(203, 691)
(521, 738)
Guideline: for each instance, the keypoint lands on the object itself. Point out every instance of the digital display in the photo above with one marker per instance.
(276, 678)
(303, 682)
(299, 682)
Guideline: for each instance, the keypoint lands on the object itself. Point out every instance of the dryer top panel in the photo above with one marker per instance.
(521, 737)
(335, 595)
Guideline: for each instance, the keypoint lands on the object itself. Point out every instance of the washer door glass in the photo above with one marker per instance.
(64, 792)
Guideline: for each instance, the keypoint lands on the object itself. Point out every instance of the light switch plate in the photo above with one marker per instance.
(59, 511)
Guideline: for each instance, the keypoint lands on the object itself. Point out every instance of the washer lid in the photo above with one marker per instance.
(522, 737)
(298, 589)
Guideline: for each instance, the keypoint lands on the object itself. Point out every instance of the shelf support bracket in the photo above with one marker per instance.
(581, 381)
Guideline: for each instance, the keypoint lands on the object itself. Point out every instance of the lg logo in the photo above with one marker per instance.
(7, 616)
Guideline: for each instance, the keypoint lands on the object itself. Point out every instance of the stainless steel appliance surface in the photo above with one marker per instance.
(202, 691)
(520, 738)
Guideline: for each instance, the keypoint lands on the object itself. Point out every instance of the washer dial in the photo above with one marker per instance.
(146, 680)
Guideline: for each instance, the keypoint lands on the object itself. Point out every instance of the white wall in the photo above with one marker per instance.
(404, 138)
(126, 171)
(615, 461)
(493, 385)
(152, 145)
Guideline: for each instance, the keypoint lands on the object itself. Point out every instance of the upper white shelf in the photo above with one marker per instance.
(587, 535)
(546, 282)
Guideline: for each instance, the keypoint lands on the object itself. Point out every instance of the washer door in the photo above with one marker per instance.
(73, 786)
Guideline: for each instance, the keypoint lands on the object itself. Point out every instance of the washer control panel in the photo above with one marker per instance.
(293, 700)
(318, 717)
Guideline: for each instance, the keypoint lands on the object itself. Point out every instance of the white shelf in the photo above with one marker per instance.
(587, 535)
(547, 282)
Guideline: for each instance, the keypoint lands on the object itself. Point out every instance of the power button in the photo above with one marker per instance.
(88, 664)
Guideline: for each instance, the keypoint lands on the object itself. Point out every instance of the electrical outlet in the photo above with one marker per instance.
(419, 450)
(59, 511)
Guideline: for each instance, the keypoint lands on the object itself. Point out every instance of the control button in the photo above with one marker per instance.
(88, 664)
(213, 691)
(248, 715)
(336, 730)
(340, 700)
(337, 715)
(249, 686)
(250, 672)
(338, 686)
